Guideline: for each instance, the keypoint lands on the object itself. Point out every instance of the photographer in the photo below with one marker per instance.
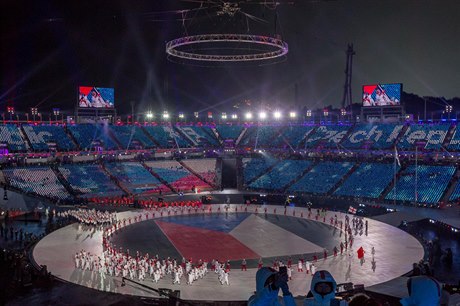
(423, 291)
(268, 283)
(323, 287)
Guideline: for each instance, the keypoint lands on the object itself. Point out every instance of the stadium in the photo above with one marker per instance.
(108, 205)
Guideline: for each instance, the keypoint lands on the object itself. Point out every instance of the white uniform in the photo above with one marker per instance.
(313, 269)
(176, 277)
(225, 281)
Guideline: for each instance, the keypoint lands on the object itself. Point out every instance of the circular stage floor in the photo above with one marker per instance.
(233, 236)
(229, 237)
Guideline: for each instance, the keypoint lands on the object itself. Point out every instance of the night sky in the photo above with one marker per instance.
(49, 48)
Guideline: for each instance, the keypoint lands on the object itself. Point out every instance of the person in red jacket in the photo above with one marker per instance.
(361, 255)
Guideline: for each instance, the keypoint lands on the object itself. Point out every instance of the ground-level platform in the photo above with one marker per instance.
(395, 252)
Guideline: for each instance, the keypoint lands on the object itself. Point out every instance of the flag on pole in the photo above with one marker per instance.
(352, 210)
(397, 157)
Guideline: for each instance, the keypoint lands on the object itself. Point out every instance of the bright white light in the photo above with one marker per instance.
(234, 116)
(165, 115)
(262, 115)
(181, 115)
(149, 115)
(224, 116)
(248, 116)
(277, 115)
(292, 114)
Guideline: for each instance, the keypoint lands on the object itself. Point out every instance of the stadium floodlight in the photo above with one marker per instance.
(224, 115)
(234, 116)
(165, 115)
(248, 116)
(262, 115)
(343, 112)
(149, 115)
(309, 113)
(326, 112)
(181, 115)
(34, 112)
(277, 114)
(56, 112)
(449, 108)
(292, 114)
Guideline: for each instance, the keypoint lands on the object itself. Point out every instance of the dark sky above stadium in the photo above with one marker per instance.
(49, 48)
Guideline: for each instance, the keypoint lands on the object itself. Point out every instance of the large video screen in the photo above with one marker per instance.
(382, 94)
(96, 97)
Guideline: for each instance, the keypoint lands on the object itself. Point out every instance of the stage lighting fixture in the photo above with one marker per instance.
(181, 115)
(277, 115)
(224, 115)
(262, 115)
(149, 115)
(165, 115)
(308, 113)
(248, 116)
(234, 116)
(292, 114)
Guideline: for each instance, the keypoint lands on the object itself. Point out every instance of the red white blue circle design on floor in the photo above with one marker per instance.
(229, 236)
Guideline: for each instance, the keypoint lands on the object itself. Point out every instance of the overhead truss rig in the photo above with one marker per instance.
(280, 48)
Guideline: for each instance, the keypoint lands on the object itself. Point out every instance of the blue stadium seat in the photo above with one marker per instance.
(454, 143)
(368, 180)
(374, 136)
(431, 184)
(10, 135)
(456, 193)
(253, 167)
(260, 136)
(328, 136)
(166, 136)
(89, 135)
(89, 180)
(132, 137)
(134, 176)
(295, 135)
(281, 175)
(432, 135)
(229, 131)
(41, 135)
(322, 177)
(199, 136)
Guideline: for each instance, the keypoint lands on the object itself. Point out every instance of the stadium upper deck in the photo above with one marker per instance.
(341, 175)
(98, 137)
